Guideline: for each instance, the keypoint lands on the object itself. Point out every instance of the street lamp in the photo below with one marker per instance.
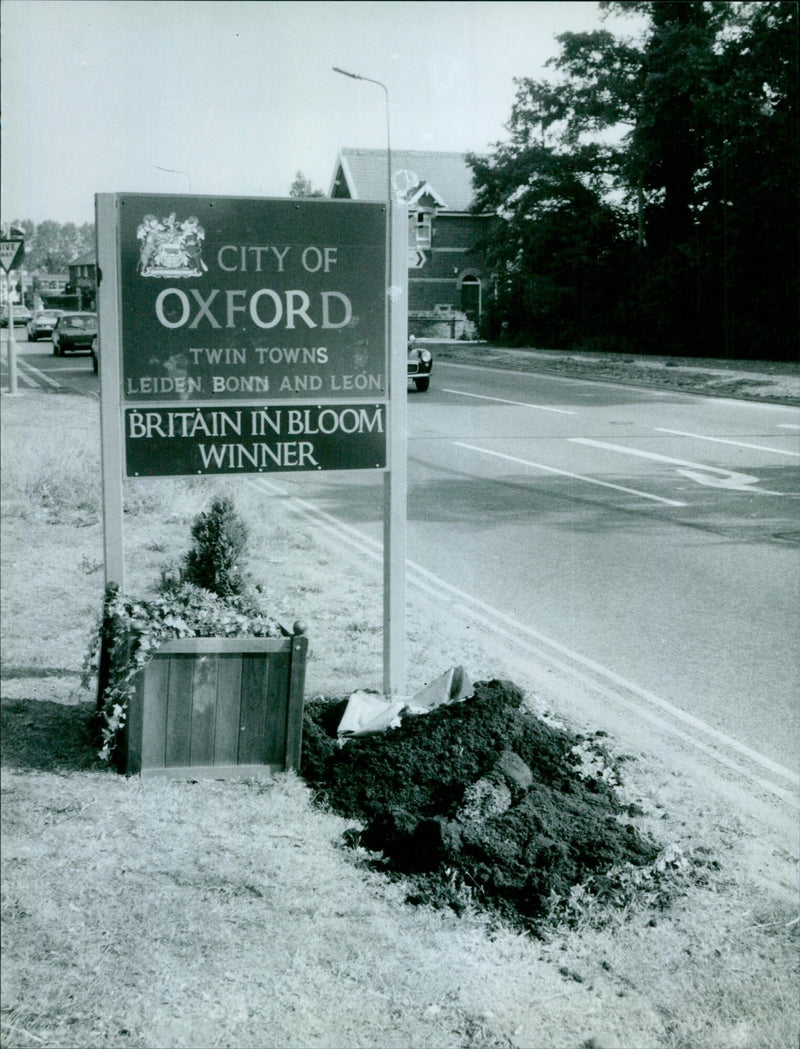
(177, 171)
(369, 80)
(395, 479)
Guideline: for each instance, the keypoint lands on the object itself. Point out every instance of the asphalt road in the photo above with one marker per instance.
(644, 541)
(38, 368)
(648, 540)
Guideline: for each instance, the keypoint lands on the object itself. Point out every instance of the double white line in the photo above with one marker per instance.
(39, 377)
(600, 680)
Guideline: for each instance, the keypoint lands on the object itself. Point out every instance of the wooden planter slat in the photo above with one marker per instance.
(204, 710)
(229, 698)
(180, 696)
(217, 707)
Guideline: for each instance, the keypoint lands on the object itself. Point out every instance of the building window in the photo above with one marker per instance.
(423, 229)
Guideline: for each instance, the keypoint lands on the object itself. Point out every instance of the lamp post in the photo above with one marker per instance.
(177, 171)
(395, 479)
(369, 80)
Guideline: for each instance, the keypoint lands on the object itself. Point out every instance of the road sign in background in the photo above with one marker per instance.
(12, 252)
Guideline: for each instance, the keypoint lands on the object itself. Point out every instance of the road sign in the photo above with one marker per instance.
(11, 253)
(248, 438)
(416, 259)
(223, 298)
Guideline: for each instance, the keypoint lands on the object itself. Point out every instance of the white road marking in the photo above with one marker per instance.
(722, 440)
(527, 638)
(574, 476)
(502, 400)
(787, 426)
(615, 696)
(39, 374)
(27, 379)
(698, 472)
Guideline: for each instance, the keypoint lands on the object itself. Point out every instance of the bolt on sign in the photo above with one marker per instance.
(252, 333)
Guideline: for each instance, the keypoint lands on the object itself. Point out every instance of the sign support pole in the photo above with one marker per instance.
(12, 250)
(12, 347)
(112, 465)
(396, 478)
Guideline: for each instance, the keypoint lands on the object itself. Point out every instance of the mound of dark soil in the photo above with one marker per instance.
(478, 799)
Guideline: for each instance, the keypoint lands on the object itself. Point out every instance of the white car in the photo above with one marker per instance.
(21, 314)
(41, 324)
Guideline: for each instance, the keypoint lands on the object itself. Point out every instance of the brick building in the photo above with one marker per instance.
(83, 279)
(447, 280)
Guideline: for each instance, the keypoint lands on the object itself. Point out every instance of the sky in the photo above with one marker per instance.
(233, 97)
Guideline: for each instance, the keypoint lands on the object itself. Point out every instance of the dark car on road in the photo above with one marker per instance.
(74, 331)
(41, 324)
(420, 365)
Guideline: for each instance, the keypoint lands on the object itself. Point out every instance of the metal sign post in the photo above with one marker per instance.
(12, 250)
(396, 481)
(112, 462)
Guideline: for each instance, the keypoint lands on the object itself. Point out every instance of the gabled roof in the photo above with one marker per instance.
(425, 189)
(363, 171)
(87, 259)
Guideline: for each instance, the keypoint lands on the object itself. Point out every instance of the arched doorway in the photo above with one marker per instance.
(471, 296)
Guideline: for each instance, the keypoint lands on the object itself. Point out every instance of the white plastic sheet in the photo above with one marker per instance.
(369, 712)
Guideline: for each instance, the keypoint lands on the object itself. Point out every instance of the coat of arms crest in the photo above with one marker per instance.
(168, 248)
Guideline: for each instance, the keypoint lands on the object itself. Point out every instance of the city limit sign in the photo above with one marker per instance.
(224, 298)
(260, 314)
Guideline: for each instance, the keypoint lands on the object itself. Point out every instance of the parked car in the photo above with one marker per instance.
(41, 324)
(420, 365)
(21, 315)
(74, 331)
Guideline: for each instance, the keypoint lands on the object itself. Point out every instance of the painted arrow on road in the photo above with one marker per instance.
(697, 472)
(733, 481)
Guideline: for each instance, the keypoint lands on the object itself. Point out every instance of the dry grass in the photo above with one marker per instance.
(149, 914)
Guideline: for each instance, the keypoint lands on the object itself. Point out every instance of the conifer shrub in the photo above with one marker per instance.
(215, 560)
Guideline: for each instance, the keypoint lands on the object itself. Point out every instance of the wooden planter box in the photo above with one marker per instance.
(217, 707)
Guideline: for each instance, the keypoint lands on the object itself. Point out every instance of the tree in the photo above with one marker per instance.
(51, 246)
(752, 194)
(302, 187)
(560, 250)
(693, 206)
